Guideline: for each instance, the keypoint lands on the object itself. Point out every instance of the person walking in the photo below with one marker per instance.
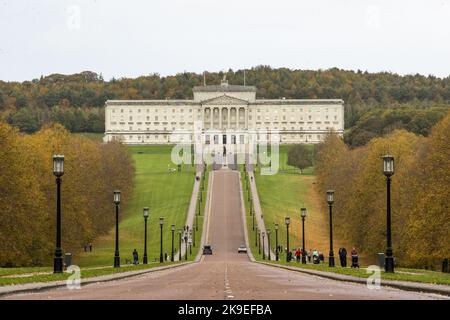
(343, 257)
(354, 254)
(315, 257)
(298, 254)
(135, 257)
(309, 255)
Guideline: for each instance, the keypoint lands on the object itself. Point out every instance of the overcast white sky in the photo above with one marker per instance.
(138, 37)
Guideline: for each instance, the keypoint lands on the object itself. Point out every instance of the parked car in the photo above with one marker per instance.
(242, 249)
(207, 249)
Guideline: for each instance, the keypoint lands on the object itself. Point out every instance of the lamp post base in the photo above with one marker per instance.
(116, 261)
(145, 259)
(331, 261)
(304, 259)
(58, 265)
(389, 264)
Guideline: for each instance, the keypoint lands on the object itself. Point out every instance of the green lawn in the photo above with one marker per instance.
(34, 275)
(401, 274)
(167, 194)
(283, 194)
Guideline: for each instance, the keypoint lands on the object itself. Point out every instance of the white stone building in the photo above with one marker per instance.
(225, 116)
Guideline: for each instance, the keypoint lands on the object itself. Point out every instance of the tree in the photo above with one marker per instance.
(300, 156)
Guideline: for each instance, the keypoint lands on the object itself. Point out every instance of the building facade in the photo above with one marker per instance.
(225, 116)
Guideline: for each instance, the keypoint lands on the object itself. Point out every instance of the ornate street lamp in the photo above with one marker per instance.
(276, 243)
(330, 200)
(146, 213)
(263, 248)
(180, 232)
(172, 258)
(190, 242)
(161, 223)
(186, 243)
(388, 170)
(58, 171)
(287, 221)
(303, 213)
(259, 241)
(268, 241)
(116, 197)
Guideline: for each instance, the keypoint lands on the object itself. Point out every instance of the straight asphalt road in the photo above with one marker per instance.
(226, 274)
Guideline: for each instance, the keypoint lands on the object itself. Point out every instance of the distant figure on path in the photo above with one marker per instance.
(315, 257)
(309, 255)
(298, 254)
(355, 263)
(135, 257)
(321, 256)
(343, 257)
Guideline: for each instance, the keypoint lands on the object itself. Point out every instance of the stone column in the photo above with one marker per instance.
(228, 117)
(237, 117)
(220, 118)
(203, 118)
(211, 116)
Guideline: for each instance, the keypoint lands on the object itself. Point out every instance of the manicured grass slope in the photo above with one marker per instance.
(167, 194)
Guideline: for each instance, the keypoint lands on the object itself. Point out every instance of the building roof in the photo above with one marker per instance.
(224, 88)
(151, 102)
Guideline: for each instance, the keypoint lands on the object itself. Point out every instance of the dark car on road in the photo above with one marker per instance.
(207, 249)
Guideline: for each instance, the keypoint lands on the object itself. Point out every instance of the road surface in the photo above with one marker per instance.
(225, 274)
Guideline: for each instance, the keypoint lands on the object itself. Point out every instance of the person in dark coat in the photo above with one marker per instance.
(354, 254)
(135, 257)
(343, 257)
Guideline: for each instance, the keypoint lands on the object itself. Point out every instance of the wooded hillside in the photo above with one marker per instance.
(76, 100)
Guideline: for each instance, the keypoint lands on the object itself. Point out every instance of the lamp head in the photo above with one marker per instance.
(303, 212)
(330, 196)
(116, 196)
(388, 165)
(58, 165)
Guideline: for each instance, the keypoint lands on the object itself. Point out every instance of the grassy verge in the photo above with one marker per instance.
(283, 194)
(169, 195)
(84, 274)
(401, 274)
(166, 193)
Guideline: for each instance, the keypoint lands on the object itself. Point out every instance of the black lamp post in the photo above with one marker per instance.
(172, 228)
(251, 205)
(190, 242)
(259, 241)
(146, 212)
(268, 241)
(116, 194)
(198, 205)
(256, 236)
(186, 245)
(330, 200)
(180, 232)
(303, 215)
(388, 169)
(58, 171)
(287, 221)
(161, 223)
(253, 219)
(263, 246)
(277, 252)
(193, 237)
